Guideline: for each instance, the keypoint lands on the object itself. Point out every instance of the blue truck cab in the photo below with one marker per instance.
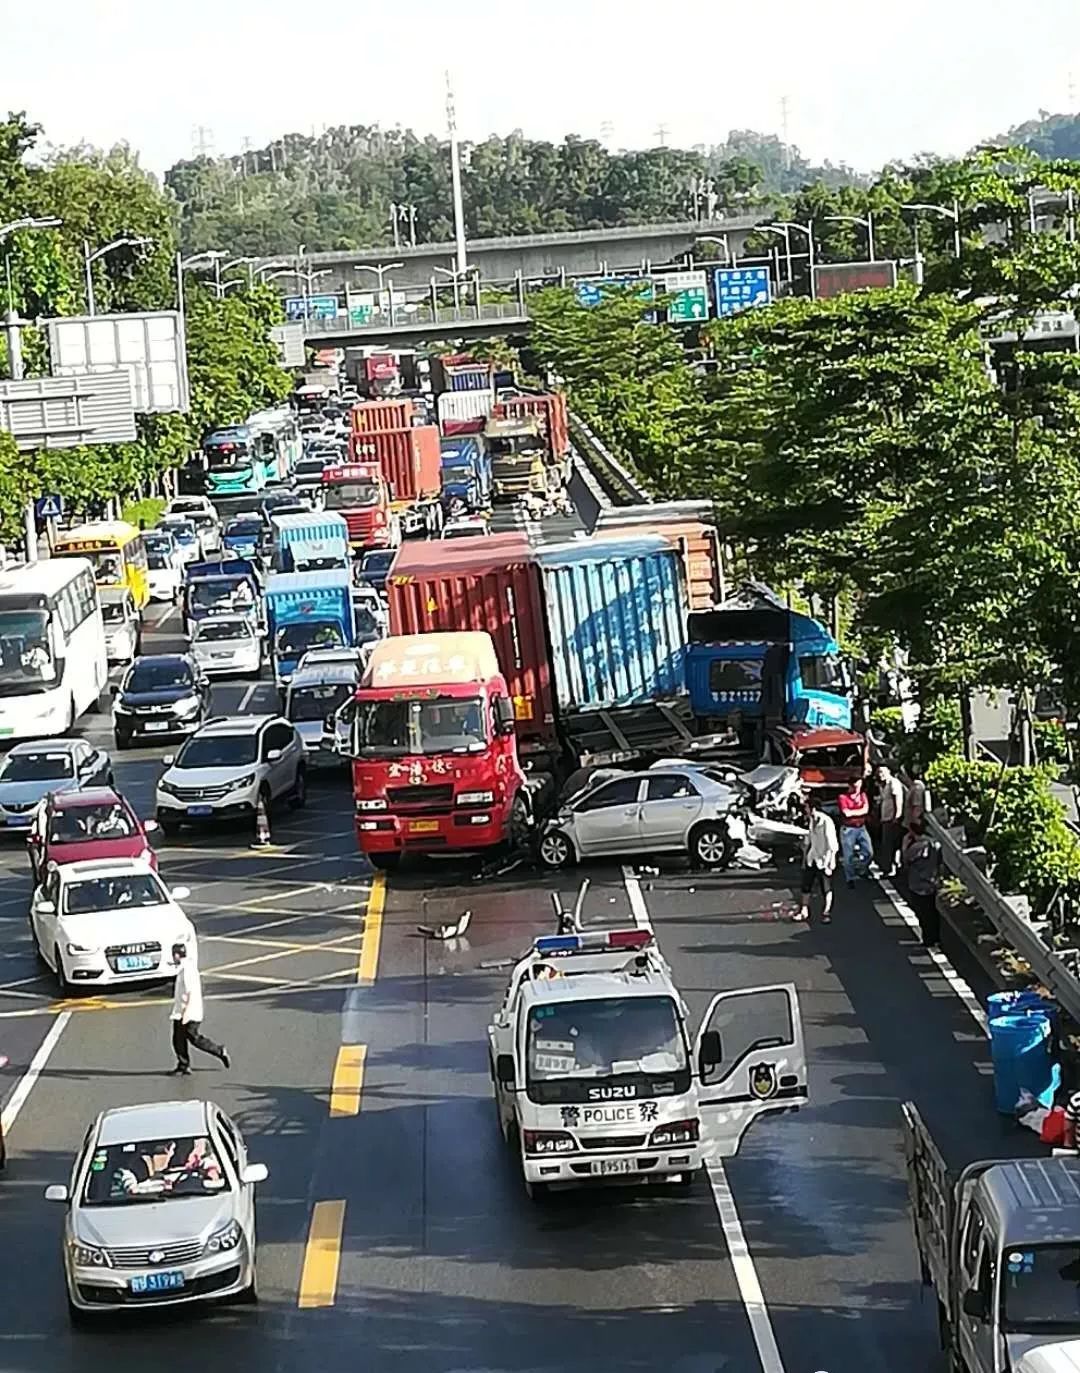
(308, 541)
(307, 610)
(753, 663)
(224, 586)
(466, 473)
(242, 534)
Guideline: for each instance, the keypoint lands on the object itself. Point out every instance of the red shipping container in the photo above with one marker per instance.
(377, 416)
(410, 459)
(451, 428)
(381, 367)
(490, 583)
(550, 407)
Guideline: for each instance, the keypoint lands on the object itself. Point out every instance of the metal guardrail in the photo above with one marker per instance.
(619, 485)
(416, 317)
(1049, 967)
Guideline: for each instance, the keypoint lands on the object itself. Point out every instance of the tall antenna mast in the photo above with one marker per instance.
(784, 135)
(455, 177)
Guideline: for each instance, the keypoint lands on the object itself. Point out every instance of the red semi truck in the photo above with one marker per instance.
(411, 463)
(359, 493)
(435, 765)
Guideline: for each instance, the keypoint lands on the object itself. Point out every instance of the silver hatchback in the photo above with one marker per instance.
(160, 1210)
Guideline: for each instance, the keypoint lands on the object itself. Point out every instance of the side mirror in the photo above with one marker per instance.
(151, 826)
(180, 893)
(169, 759)
(255, 1172)
(711, 1052)
(504, 1070)
(974, 1304)
(273, 755)
(46, 907)
(56, 1192)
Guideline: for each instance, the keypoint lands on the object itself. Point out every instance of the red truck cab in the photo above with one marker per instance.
(359, 493)
(435, 765)
(828, 760)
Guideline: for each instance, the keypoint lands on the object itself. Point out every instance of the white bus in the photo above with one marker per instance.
(53, 664)
(276, 440)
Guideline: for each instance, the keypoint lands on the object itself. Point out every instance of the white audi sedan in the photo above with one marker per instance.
(227, 646)
(104, 922)
(160, 1211)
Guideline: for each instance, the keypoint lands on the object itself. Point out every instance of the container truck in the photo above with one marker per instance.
(686, 524)
(359, 494)
(550, 408)
(378, 416)
(466, 474)
(460, 372)
(298, 540)
(226, 586)
(753, 664)
(307, 610)
(412, 468)
(518, 452)
(435, 766)
(464, 412)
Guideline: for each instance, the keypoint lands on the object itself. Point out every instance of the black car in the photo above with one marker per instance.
(162, 695)
(375, 567)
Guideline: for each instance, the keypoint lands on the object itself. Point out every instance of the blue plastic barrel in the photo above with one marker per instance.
(1020, 1049)
(1021, 1003)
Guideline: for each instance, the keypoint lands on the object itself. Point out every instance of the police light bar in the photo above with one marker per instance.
(598, 941)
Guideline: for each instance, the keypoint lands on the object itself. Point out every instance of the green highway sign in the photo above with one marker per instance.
(686, 297)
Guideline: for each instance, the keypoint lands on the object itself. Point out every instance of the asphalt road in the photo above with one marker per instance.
(392, 1228)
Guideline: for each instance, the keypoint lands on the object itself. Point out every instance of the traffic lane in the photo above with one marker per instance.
(822, 1194)
(446, 1264)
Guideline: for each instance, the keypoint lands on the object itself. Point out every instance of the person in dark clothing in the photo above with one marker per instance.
(922, 868)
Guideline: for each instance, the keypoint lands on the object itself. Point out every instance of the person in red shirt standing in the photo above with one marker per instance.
(854, 841)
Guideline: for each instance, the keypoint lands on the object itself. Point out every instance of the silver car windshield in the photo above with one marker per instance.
(154, 1170)
(217, 631)
(605, 1038)
(36, 767)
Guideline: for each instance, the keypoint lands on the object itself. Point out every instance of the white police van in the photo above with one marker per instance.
(598, 1078)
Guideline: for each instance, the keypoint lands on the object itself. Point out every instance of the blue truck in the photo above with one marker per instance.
(309, 541)
(224, 586)
(753, 663)
(466, 474)
(307, 610)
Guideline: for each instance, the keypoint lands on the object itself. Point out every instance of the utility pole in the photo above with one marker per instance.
(455, 176)
(661, 135)
(785, 145)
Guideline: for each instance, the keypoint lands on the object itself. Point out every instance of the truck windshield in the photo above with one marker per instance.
(614, 1038)
(443, 725)
(351, 496)
(294, 640)
(204, 595)
(1040, 1287)
(823, 672)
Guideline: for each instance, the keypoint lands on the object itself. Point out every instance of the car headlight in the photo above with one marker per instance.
(476, 798)
(120, 709)
(675, 1132)
(167, 787)
(186, 707)
(248, 780)
(377, 803)
(228, 1237)
(548, 1142)
(88, 1256)
(80, 948)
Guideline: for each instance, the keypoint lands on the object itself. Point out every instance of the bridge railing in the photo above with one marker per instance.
(417, 314)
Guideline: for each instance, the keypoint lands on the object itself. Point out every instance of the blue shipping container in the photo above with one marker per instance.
(616, 621)
(478, 379)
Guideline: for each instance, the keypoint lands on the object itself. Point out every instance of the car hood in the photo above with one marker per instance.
(1018, 1345)
(207, 777)
(162, 696)
(99, 929)
(135, 847)
(212, 646)
(20, 793)
(144, 1224)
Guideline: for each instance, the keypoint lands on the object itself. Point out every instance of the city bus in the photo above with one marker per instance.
(116, 552)
(277, 441)
(53, 660)
(233, 466)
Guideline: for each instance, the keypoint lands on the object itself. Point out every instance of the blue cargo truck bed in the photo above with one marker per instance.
(308, 526)
(307, 610)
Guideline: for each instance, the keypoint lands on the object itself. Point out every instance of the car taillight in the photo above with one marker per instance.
(547, 1142)
(675, 1132)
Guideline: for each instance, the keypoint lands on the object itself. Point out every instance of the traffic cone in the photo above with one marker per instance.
(262, 824)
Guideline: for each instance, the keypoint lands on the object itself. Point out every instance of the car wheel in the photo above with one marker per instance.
(298, 796)
(384, 862)
(710, 846)
(170, 827)
(61, 977)
(556, 850)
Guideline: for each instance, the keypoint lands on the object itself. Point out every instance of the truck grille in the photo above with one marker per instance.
(611, 1141)
(440, 795)
(185, 1251)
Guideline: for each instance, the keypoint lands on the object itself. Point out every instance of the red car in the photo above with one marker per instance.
(828, 759)
(95, 823)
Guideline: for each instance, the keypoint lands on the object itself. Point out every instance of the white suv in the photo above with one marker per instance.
(225, 767)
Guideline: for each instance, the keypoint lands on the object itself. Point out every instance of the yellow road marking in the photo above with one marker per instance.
(369, 948)
(284, 944)
(348, 1080)
(322, 1257)
(278, 955)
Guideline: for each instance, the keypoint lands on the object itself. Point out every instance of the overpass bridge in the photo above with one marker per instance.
(418, 320)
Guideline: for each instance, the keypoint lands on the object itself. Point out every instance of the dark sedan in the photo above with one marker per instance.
(162, 695)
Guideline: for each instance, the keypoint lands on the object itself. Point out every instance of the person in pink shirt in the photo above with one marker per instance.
(855, 848)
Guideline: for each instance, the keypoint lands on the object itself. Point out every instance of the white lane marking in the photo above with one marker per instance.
(245, 700)
(746, 1276)
(25, 1084)
(638, 908)
(742, 1262)
(940, 960)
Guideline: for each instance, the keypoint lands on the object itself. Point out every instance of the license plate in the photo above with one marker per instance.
(424, 827)
(200, 810)
(5, 731)
(217, 656)
(157, 1282)
(18, 821)
(156, 726)
(605, 1166)
(134, 963)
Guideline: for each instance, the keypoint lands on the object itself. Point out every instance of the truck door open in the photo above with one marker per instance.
(750, 1056)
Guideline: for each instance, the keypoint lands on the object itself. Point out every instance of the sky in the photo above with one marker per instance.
(863, 83)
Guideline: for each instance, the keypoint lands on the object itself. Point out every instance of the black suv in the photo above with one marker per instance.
(162, 695)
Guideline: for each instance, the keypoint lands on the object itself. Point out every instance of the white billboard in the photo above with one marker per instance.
(290, 341)
(150, 346)
(65, 412)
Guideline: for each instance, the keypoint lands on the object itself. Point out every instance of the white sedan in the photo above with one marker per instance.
(227, 645)
(104, 922)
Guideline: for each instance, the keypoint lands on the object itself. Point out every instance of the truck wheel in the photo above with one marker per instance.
(710, 846)
(556, 850)
(384, 862)
(520, 828)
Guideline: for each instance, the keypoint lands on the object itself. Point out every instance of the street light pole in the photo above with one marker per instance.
(945, 213)
(455, 177)
(784, 230)
(867, 224)
(89, 258)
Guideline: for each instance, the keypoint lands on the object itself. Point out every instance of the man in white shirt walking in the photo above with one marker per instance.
(187, 1014)
(891, 815)
(820, 849)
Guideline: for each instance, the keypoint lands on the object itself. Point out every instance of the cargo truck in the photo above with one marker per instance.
(464, 412)
(411, 466)
(359, 494)
(999, 1245)
(466, 474)
(435, 765)
(549, 408)
(377, 416)
(518, 458)
(753, 664)
(307, 610)
(308, 540)
(227, 586)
